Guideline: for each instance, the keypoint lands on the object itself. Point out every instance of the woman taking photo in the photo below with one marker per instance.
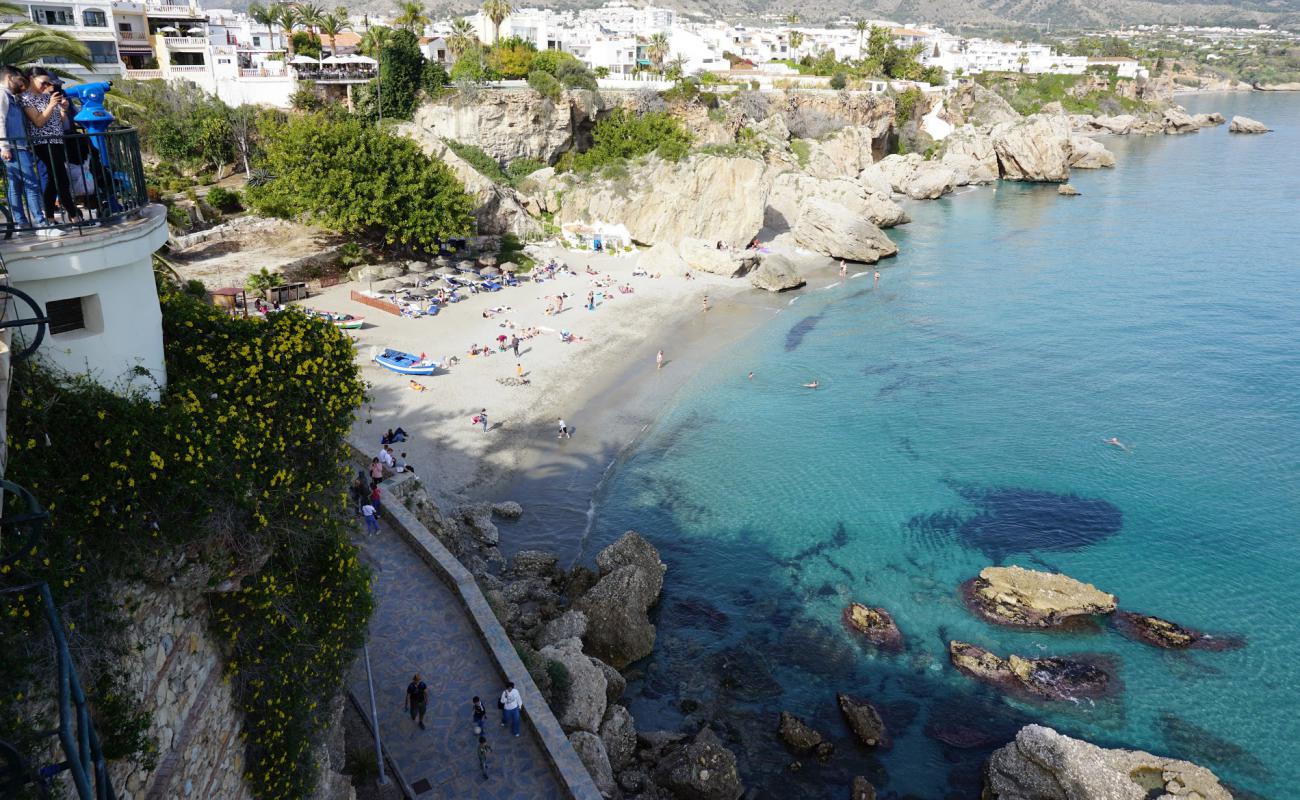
(45, 106)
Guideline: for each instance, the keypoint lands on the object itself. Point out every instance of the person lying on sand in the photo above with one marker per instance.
(419, 387)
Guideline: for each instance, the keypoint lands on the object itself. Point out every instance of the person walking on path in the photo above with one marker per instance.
(482, 418)
(706, 303)
(659, 360)
(514, 345)
(564, 431)
(511, 703)
(844, 268)
(417, 699)
(484, 750)
(368, 514)
(480, 715)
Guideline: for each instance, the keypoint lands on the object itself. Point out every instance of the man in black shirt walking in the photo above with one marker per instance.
(417, 699)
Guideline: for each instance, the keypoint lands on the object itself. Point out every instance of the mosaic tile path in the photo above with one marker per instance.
(419, 626)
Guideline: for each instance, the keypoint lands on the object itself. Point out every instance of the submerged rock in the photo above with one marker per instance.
(798, 735)
(1048, 678)
(508, 509)
(1041, 764)
(703, 769)
(1247, 125)
(1028, 598)
(875, 624)
(1159, 632)
(862, 789)
(864, 720)
(618, 628)
(1066, 190)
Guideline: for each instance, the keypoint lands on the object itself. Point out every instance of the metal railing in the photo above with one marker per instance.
(327, 75)
(87, 180)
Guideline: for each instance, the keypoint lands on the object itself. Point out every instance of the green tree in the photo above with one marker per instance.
(353, 178)
(306, 43)
(472, 66)
(550, 60)
(861, 27)
(264, 15)
(461, 38)
(545, 84)
(332, 24)
(401, 76)
(512, 58)
(23, 42)
(310, 15)
(574, 74)
(657, 50)
(412, 18)
(497, 11)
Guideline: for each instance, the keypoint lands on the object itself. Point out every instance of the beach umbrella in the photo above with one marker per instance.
(303, 59)
(488, 260)
(466, 266)
(407, 282)
(419, 266)
(510, 266)
(442, 261)
(333, 60)
(357, 58)
(490, 271)
(168, 29)
(196, 31)
(386, 285)
(445, 270)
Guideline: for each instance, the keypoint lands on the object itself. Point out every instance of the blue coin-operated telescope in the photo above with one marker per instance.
(96, 119)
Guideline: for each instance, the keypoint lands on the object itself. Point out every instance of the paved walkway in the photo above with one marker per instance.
(419, 626)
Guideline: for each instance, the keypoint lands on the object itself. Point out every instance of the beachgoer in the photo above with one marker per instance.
(511, 703)
(484, 750)
(519, 371)
(706, 302)
(591, 301)
(751, 376)
(514, 345)
(376, 470)
(386, 456)
(810, 385)
(564, 431)
(375, 494)
(417, 386)
(401, 465)
(876, 280)
(483, 419)
(844, 268)
(417, 699)
(400, 435)
(368, 514)
(480, 714)
(659, 360)
(357, 492)
(1115, 442)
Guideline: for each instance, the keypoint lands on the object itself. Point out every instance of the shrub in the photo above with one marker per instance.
(801, 151)
(646, 100)
(839, 81)
(622, 136)
(260, 282)
(511, 58)
(224, 200)
(575, 75)
(351, 255)
(433, 77)
(305, 97)
(485, 164)
(521, 168)
(559, 675)
(550, 60)
(809, 123)
(545, 84)
(751, 104)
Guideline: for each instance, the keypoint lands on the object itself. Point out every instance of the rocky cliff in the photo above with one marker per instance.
(508, 124)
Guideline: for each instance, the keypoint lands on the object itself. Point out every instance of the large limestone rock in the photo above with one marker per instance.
(918, 178)
(864, 720)
(1041, 764)
(791, 190)
(542, 190)
(801, 737)
(663, 258)
(1209, 120)
(1088, 153)
(831, 229)
(497, 209)
(618, 733)
(1028, 598)
(976, 105)
(581, 705)
(875, 624)
(703, 256)
(841, 155)
(776, 273)
(703, 769)
(508, 125)
(703, 197)
(572, 624)
(1046, 678)
(1034, 149)
(970, 155)
(591, 751)
(618, 628)
(1247, 125)
(1176, 121)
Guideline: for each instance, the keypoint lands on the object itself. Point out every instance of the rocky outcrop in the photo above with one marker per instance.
(497, 209)
(591, 751)
(1066, 190)
(875, 624)
(864, 720)
(1027, 598)
(1041, 764)
(1247, 125)
(1086, 153)
(1046, 678)
(662, 259)
(800, 737)
(728, 262)
(792, 190)
(618, 733)
(581, 702)
(872, 112)
(618, 629)
(572, 624)
(971, 156)
(978, 106)
(702, 769)
(831, 229)
(703, 197)
(776, 273)
(1036, 148)
(845, 153)
(916, 177)
(1176, 120)
(1162, 633)
(1209, 120)
(509, 509)
(508, 125)
(862, 789)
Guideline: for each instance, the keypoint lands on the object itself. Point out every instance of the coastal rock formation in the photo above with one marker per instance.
(703, 197)
(833, 230)
(800, 737)
(917, 178)
(618, 733)
(875, 181)
(542, 190)
(973, 104)
(1036, 148)
(497, 209)
(864, 720)
(846, 152)
(970, 155)
(581, 704)
(663, 259)
(1247, 125)
(703, 769)
(1177, 121)
(1121, 124)
(862, 789)
(776, 273)
(704, 256)
(875, 624)
(591, 751)
(508, 125)
(792, 190)
(814, 114)
(1028, 598)
(1066, 190)
(1162, 633)
(1041, 764)
(1209, 120)
(509, 509)
(1087, 153)
(618, 629)
(1047, 678)
(572, 624)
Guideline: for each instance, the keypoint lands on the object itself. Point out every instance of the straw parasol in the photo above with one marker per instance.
(510, 266)
(466, 266)
(386, 285)
(490, 271)
(419, 266)
(407, 282)
(488, 260)
(442, 261)
(445, 269)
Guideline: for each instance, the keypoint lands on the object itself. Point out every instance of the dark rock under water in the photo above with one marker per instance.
(794, 337)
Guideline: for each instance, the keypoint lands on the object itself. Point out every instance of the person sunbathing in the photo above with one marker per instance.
(419, 387)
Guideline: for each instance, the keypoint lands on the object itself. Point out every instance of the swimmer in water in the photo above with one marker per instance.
(1115, 442)
(810, 385)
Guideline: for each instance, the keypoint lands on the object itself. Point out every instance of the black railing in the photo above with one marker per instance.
(326, 75)
(82, 181)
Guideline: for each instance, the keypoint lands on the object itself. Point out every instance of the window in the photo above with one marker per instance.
(94, 19)
(124, 27)
(65, 315)
(102, 52)
(53, 16)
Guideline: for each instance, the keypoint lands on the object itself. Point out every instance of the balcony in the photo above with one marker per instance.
(187, 69)
(173, 11)
(144, 74)
(185, 42)
(133, 36)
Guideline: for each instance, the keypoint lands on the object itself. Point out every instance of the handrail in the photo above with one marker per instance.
(103, 176)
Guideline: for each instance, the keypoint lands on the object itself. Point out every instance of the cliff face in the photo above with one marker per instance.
(508, 124)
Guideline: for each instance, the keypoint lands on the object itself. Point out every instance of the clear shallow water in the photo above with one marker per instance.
(963, 406)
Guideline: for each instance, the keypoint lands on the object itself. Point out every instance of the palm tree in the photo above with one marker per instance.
(461, 38)
(861, 27)
(412, 18)
(375, 40)
(332, 24)
(497, 11)
(658, 49)
(263, 15)
(795, 37)
(23, 42)
(288, 19)
(310, 15)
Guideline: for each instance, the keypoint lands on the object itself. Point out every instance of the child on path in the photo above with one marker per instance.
(417, 699)
(480, 714)
(484, 750)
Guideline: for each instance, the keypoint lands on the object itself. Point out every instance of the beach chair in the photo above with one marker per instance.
(491, 286)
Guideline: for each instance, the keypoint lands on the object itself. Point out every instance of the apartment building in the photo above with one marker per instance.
(89, 23)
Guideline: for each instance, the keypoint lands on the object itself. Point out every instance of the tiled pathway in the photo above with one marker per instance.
(419, 626)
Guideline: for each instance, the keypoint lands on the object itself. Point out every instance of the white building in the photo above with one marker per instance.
(972, 56)
(90, 23)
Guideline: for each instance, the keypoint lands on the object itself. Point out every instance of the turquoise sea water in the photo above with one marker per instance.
(960, 423)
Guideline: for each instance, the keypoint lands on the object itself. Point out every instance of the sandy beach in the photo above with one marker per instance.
(605, 386)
